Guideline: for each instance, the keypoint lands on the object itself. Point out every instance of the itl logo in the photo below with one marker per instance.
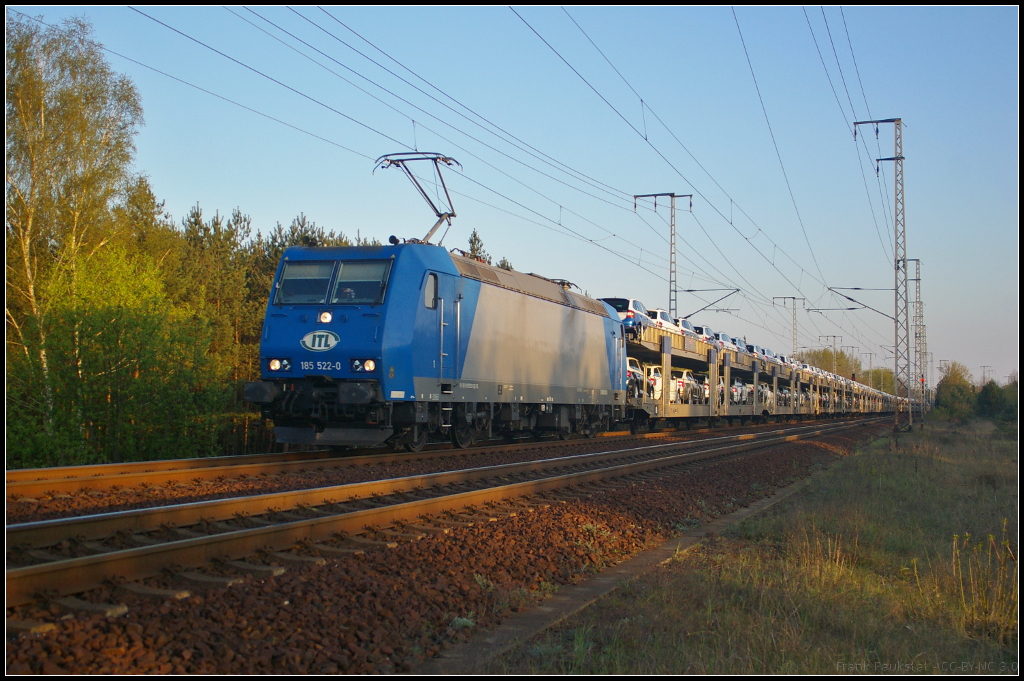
(320, 341)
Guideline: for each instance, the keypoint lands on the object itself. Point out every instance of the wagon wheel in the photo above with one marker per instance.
(419, 438)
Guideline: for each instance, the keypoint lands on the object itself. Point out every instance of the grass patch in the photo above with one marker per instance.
(899, 558)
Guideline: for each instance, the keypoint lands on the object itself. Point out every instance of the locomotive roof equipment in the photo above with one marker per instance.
(401, 160)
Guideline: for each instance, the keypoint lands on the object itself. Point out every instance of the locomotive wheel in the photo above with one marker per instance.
(419, 439)
(462, 435)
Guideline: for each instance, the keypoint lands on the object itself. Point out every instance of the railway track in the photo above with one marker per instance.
(39, 481)
(303, 526)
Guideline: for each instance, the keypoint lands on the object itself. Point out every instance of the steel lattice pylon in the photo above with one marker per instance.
(922, 346)
(904, 416)
(921, 383)
(673, 294)
(785, 298)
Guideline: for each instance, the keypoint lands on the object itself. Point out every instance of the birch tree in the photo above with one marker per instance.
(70, 124)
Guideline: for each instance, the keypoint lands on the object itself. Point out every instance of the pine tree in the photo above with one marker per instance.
(476, 248)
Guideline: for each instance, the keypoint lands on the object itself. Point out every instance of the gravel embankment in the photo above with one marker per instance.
(387, 610)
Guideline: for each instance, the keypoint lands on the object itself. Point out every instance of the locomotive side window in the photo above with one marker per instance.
(361, 282)
(304, 282)
(430, 292)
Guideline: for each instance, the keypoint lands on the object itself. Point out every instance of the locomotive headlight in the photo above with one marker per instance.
(362, 365)
(369, 365)
(325, 317)
(275, 365)
(280, 365)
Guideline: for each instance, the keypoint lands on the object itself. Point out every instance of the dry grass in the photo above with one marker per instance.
(902, 557)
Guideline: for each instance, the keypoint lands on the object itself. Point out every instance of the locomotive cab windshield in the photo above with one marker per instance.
(357, 282)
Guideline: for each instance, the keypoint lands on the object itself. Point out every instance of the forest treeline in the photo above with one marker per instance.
(841, 363)
(129, 334)
(958, 397)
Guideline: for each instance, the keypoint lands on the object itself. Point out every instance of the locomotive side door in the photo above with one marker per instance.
(449, 331)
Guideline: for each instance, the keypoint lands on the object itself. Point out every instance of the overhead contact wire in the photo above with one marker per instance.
(541, 194)
(274, 80)
(550, 160)
(306, 132)
(658, 152)
(475, 139)
(776, 145)
(849, 127)
(685, 148)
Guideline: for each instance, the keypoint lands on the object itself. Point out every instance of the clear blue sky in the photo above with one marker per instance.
(951, 74)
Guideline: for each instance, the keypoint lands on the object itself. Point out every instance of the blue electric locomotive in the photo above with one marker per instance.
(398, 343)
